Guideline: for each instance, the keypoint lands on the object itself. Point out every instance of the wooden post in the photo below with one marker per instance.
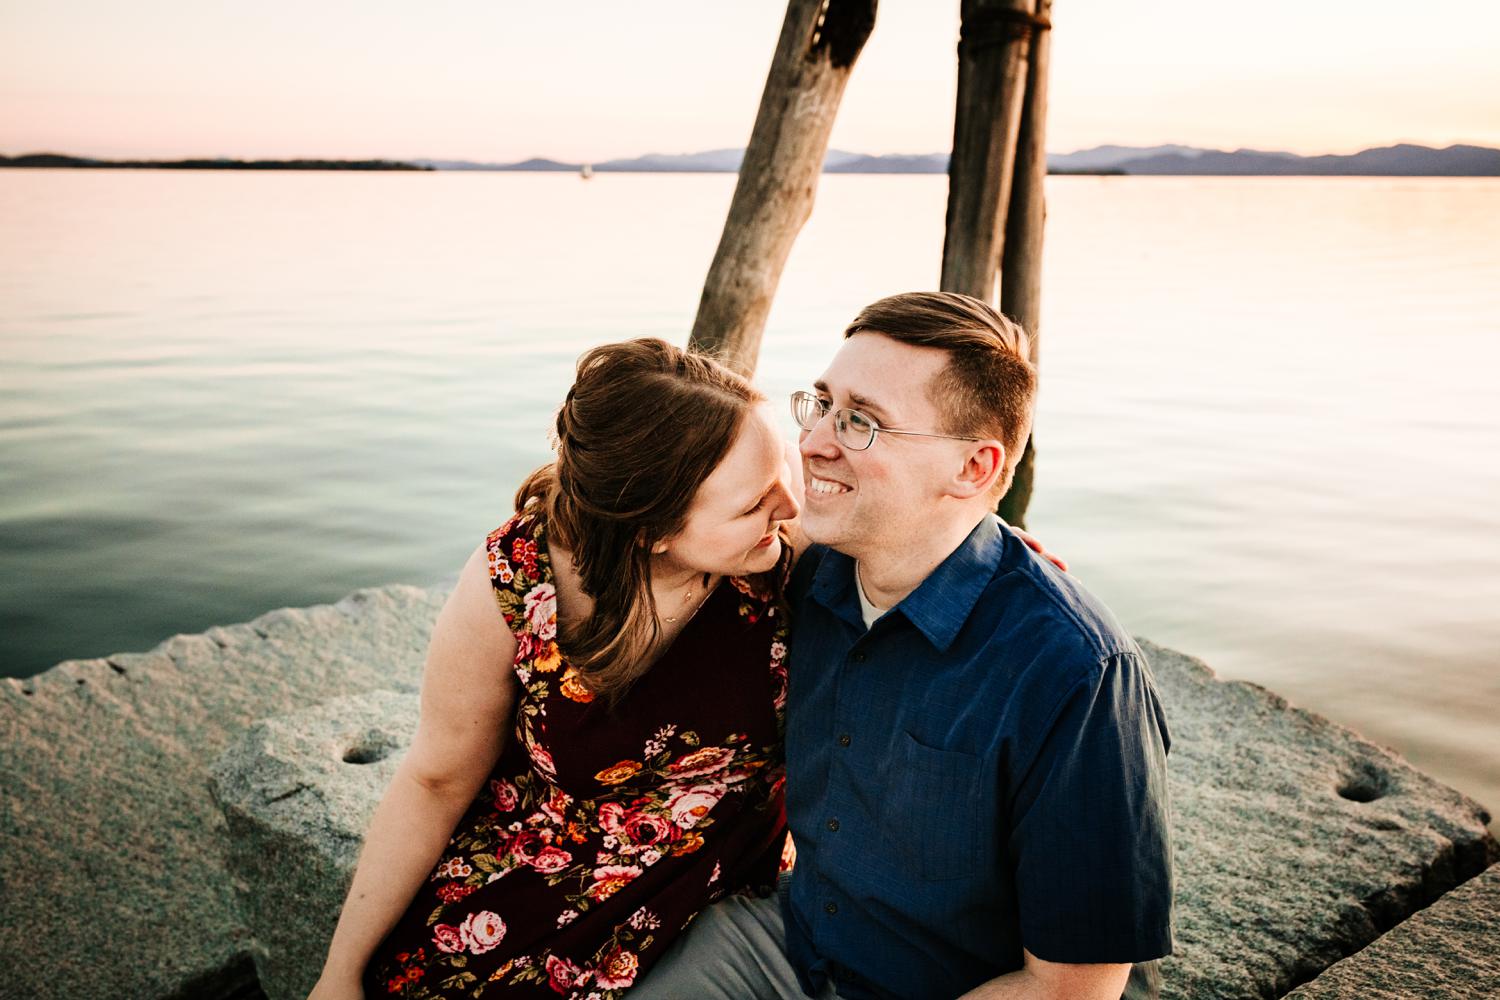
(1021, 273)
(820, 39)
(993, 50)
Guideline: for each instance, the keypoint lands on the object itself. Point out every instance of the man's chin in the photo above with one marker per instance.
(820, 530)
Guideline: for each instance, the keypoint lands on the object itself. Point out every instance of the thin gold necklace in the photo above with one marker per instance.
(686, 597)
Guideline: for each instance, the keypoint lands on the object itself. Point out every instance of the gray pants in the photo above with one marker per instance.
(735, 950)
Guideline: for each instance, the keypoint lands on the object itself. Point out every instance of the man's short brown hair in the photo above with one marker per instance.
(988, 387)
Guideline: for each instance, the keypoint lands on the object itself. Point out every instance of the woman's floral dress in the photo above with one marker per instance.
(601, 833)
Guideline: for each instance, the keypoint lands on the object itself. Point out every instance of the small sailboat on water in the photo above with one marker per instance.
(586, 171)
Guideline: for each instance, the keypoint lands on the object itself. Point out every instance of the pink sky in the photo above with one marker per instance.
(593, 80)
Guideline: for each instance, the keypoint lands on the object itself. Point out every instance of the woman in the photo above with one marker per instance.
(636, 661)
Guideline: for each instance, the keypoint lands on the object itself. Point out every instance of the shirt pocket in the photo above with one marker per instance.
(932, 814)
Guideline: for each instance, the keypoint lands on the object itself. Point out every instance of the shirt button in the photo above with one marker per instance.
(833, 825)
(830, 908)
(859, 657)
(844, 740)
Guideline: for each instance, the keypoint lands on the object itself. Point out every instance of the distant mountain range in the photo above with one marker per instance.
(1403, 160)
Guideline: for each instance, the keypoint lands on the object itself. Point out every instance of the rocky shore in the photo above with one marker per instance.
(181, 823)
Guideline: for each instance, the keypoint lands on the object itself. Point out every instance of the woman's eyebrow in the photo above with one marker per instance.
(762, 494)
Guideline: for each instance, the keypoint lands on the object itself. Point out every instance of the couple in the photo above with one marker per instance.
(648, 673)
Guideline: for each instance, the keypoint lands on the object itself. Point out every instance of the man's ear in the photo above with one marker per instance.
(984, 463)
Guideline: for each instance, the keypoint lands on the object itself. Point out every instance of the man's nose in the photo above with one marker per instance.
(820, 440)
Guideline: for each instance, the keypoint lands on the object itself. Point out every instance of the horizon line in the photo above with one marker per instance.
(701, 152)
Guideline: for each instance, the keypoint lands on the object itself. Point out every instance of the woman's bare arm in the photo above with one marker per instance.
(468, 697)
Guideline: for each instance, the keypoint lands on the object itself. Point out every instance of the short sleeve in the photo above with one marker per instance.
(1089, 831)
(521, 579)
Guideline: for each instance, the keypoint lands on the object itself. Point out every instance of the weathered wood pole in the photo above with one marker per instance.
(997, 171)
(1021, 270)
(820, 39)
(993, 49)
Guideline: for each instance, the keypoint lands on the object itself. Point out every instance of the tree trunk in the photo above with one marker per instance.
(820, 40)
(1021, 274)
(993, 49)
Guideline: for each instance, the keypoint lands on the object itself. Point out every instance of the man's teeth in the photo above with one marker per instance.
(826, 486)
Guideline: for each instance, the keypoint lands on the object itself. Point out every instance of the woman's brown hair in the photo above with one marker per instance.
(640, 430)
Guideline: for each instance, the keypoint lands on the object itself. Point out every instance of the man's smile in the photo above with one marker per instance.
(817, 487)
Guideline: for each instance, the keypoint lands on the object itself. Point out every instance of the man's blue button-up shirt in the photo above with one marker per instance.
(983, 770)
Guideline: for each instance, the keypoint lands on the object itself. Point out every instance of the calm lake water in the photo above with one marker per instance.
(1268, 429)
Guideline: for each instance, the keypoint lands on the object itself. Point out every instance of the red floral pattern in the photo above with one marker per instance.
(602, 832)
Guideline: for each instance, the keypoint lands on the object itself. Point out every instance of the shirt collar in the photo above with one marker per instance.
(941, 603)
(833, 587)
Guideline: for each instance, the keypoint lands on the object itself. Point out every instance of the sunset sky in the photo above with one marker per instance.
(592, 80)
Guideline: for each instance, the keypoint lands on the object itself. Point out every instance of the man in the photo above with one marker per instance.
(975, 749)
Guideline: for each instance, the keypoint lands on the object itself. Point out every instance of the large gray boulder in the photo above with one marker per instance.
(112, 851)
(1449, 951)
(298, 792)
(1297, 842)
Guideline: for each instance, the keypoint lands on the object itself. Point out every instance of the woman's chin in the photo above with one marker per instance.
(763, 558)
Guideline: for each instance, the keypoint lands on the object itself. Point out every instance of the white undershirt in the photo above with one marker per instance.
(867, 610)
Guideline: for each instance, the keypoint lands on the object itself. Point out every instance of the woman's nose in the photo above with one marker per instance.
(787, 506)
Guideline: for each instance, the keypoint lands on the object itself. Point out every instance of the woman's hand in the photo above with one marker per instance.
(1036, 546)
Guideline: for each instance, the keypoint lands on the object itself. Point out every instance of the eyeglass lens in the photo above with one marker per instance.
(853, 429)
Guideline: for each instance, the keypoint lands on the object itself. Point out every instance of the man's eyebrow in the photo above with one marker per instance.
(863, 402)
(869, 405)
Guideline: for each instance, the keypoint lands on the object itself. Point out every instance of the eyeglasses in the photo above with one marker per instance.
(854, 430)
